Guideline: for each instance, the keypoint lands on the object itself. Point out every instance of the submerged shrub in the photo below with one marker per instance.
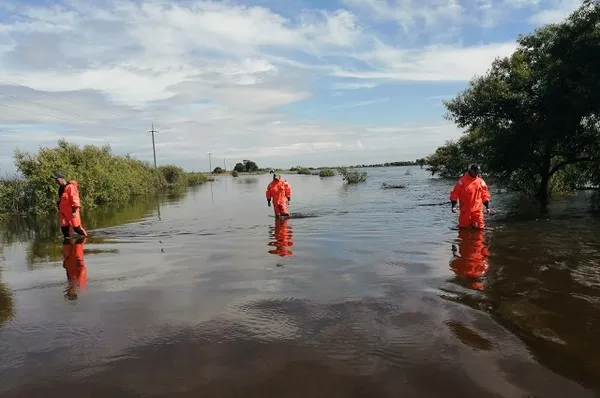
(195, 178)
(173, 175)
(326, 173)
(304, 170)
(102, 178)
(353, 176)
(385, 185)
(15, 197)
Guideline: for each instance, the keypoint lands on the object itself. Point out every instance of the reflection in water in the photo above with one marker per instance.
(6, 304)
(281, 234)
(471, 262)
(247, 180)
(74, 264)
(158, 208)
(468, 336)
(368, 314)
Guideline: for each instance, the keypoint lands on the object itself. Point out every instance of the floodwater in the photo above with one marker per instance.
(368, 292)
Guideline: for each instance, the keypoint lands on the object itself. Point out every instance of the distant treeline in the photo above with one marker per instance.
(418, 162)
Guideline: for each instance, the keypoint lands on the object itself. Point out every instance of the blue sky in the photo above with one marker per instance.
(283, 82)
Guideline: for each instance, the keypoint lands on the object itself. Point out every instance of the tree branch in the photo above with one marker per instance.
(560, 165)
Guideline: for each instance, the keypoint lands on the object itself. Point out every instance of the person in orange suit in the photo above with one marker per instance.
(69, 206)
(74, 265)
(282, 238)
(472, 194)
(280, 192)
(472, 263)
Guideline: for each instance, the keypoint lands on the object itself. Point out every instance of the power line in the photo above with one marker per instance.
(51, 108)
(59, 117)
(44, 114)
(54, 95)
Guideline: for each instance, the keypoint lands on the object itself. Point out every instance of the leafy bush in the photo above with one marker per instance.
(173, 175)
(353, 176)
(326, 173)
(102, 177)
(195, 178)
(234, 173)
(15, 196)
(304, 170)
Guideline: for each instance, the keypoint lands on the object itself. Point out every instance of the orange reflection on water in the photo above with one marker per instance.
(74, 265)
(470, 257)
(281, 238)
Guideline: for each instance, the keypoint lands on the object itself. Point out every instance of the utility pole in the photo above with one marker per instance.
(209, 163)
(224, 165)
(153, 146)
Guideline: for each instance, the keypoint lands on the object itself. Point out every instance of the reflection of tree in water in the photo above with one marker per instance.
(6, 299)
(250, 180)
(543, 284)
(6, 304)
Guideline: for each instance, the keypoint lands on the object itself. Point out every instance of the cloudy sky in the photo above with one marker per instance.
(282, 82)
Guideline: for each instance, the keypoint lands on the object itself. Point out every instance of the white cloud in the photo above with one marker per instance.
(558, 11)
(362, 103)
(222, 76)
(433, 63)
(352, 86)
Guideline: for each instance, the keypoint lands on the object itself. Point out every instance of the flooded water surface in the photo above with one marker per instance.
(364, 292)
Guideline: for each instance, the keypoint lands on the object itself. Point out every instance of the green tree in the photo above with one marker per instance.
(536, 113)
(250, 166)
(246, 166)
(240, 167)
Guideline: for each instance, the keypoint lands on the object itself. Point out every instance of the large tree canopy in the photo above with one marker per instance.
(534, 117)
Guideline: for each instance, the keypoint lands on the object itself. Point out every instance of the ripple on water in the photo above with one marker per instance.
(366, 304)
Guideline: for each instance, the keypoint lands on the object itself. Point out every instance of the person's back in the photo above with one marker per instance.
(472, 193)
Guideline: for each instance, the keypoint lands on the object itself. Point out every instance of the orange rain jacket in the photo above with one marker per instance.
(69, 204)
(471, 193)
(279, 191)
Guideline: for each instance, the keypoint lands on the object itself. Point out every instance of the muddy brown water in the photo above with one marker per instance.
(368, 292)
